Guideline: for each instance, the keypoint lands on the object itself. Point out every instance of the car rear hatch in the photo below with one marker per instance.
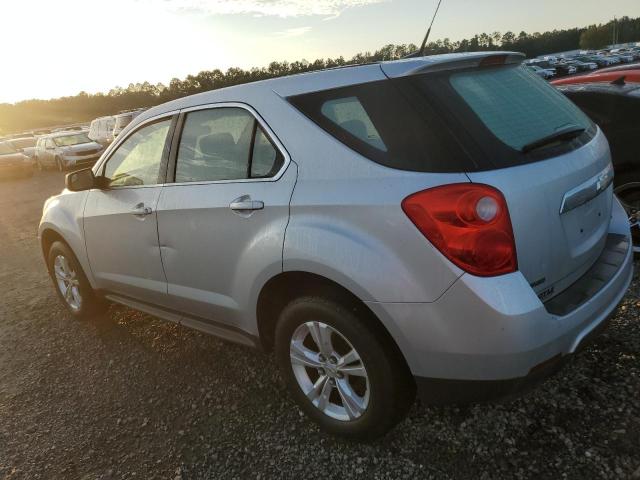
(551, 163)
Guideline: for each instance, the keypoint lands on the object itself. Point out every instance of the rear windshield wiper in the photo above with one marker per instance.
(565, 133)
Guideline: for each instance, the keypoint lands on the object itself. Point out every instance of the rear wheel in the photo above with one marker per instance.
(71, 284)
(345, 378)
(628, 192)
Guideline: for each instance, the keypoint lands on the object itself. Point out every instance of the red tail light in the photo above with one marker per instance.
(469, 223)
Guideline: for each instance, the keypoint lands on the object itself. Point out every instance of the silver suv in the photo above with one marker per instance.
(442, 224)
(66, 150)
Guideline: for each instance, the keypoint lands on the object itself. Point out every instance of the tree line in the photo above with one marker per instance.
(32, 114)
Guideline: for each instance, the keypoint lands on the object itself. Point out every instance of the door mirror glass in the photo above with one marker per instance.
(81, 180)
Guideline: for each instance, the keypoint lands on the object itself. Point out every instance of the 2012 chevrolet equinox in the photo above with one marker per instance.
(443, 222)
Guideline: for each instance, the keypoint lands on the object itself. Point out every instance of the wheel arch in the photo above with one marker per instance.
(287, 286)
(48, 237)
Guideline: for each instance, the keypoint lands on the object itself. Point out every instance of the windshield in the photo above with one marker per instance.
(24, 142)
(69, 140)
(6, 148)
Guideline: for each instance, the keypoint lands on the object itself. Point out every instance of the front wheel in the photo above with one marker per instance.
(340, 373)
(71, 284)
(628, 192)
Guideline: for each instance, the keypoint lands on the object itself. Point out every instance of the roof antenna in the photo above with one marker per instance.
(426, 37)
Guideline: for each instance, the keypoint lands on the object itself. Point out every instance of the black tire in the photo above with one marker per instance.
(90, 304)
(391, 387)
(627, 189)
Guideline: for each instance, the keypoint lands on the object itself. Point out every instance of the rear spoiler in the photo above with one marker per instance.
(450, 61)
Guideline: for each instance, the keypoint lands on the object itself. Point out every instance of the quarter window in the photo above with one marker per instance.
(138, 159)
(266, 160)
(224, 144)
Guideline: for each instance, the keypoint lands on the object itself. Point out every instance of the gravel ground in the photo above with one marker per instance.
(129, 396)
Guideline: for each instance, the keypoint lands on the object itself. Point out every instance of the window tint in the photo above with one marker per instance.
(516, 105)
(215, 145)
(266, 159)
(349, 114)
(224, 144)
(387, 125)
(137, 160)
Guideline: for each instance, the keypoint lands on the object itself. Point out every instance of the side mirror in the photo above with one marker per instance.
(82, 180)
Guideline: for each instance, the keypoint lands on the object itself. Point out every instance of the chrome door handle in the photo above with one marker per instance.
(141, 211)
(244, 204)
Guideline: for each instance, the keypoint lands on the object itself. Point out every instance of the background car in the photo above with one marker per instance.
(13, 162)
(563, 68)
(615, 109)
(545, 73)
(582, 66)
(101, 130)
(66, 150)
(629, 76)
(26, 145)
(123, 119)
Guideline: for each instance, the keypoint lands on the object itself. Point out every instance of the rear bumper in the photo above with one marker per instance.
(487, 337)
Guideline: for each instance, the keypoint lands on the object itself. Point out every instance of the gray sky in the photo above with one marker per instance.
(128, 41)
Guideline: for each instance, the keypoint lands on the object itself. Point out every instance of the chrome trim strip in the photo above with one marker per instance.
(587, 191)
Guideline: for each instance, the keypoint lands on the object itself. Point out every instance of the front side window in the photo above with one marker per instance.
(224, 144)
(138, 159)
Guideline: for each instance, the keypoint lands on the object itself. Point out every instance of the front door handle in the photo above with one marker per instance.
(141, 211)
(245, 204)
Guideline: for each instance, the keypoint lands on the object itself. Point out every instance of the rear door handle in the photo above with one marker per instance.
(245, 204)
(141, 211)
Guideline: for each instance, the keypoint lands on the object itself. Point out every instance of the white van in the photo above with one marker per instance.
(101, 130)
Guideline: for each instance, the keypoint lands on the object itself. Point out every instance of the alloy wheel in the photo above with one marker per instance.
(67, 282)
(329, 371)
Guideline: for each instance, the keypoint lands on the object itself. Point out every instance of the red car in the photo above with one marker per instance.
(630, 75)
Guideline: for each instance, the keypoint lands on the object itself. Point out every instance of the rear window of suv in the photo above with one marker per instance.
(516, 107)
(455, 121)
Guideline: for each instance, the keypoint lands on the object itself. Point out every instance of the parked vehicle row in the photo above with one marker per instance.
(587, 61)
(66, 148)
(464, 256)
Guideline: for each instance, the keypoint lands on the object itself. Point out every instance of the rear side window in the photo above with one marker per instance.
(517, 107)
(378, 121)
